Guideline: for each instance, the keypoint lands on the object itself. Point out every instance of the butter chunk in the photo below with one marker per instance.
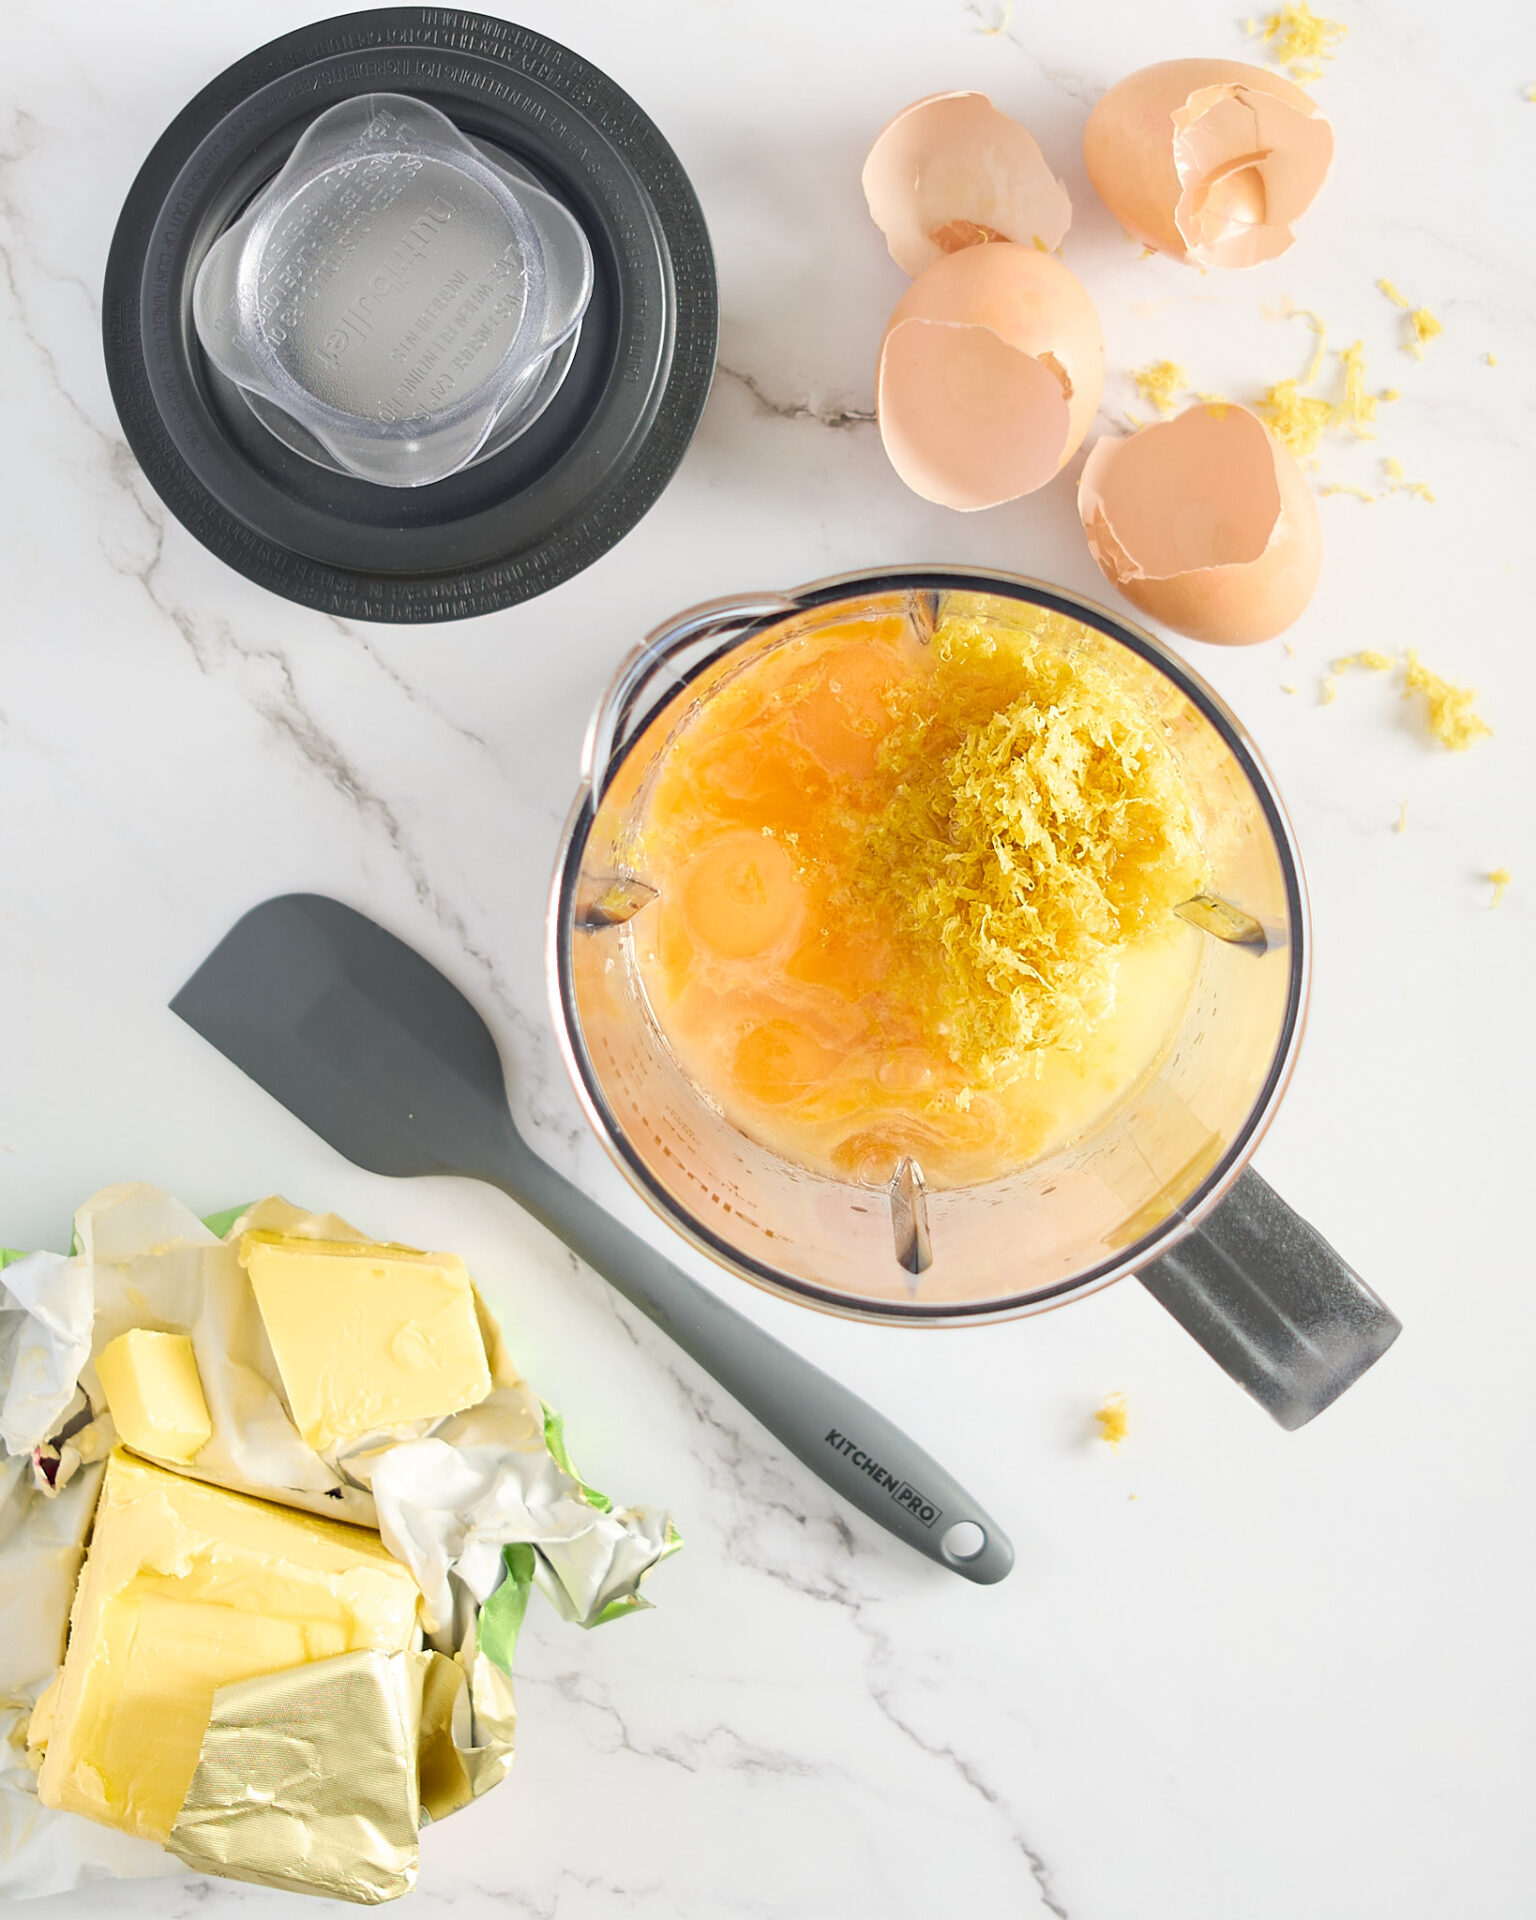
(366, 1338)
(155, 1393)
(187, 1588)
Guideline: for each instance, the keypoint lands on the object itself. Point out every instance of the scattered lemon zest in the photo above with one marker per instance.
(1398, 481)
(1114, 1421)
(1315, 322)
(1215, 404)
(1424, 326)
(1294, 418)
(1451, 717)
(1299, 40)
(1499, 879)
(1401, 825)
(1421, 324)
(1287, 686)
(1389, 393)
(1298, 419)
(1528, 92)
(1490, 360)
(1288, 647)
(1327, 690)
(1160, 382)
(1001, 25)
(1344, 486)
(1357, 406)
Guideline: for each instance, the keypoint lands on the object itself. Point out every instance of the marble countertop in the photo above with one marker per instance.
(1237, 1671)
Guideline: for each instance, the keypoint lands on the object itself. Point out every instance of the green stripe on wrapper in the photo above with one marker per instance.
(501, 1618)
(554, 1439)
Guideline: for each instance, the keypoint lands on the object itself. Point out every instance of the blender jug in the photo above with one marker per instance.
(1159, 1187)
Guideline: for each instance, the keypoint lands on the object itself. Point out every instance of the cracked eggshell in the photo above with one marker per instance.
(1209, 161)
(950, 171)
(990, 374)
(1206, 523)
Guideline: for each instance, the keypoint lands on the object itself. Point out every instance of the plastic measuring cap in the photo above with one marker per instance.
(395, 299)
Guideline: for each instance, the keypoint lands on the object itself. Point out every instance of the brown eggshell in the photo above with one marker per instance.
(1208, 161)
(1206, 523)
(990, 374)
(951, 171)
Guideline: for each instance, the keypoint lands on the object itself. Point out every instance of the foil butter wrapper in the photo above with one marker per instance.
(319, 1777)
(315, 1779)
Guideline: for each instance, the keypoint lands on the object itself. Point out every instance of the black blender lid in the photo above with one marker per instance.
(516, 522)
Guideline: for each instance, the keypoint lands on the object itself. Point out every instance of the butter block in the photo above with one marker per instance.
(366, 1337)
(155, 1393)
(185, 1589)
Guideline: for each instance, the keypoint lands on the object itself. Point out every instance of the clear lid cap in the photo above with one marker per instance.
(395, 297)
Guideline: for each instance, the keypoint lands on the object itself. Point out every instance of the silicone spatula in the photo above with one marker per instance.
(367, 1043)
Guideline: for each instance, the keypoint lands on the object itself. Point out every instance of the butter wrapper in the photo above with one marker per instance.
(317, 1778)
(308, 1779)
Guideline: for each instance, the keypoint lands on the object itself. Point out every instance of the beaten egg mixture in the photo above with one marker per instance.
(915, 896)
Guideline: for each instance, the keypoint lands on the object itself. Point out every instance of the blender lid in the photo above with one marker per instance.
(569, 460)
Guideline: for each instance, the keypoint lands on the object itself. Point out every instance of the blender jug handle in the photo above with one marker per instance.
(1272, 1303)
(654, 669)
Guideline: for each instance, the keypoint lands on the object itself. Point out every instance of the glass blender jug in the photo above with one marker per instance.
(1160, 1187)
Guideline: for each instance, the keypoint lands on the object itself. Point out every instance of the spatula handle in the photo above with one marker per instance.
(843, 1440)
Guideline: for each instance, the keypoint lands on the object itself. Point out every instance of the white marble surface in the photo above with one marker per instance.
(1237, 1672)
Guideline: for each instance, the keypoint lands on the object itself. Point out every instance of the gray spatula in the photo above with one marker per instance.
(373, 1048)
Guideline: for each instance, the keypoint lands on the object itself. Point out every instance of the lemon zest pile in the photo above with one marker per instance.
(1300, 40)
(1158, 383)
(1499, 879)
(1451, 716)
(1114, 1420)
(1039, 821)
(1398, 481)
